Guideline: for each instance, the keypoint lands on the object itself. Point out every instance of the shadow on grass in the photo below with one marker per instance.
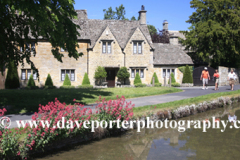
(26, 101)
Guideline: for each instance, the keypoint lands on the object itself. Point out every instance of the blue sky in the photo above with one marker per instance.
(176, 12)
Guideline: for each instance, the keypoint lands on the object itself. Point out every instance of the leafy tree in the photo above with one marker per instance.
(137, 79)
(51, 20)
(85, 80)
(100, 73)
(31, 82)
(214, 32)
(152, 29)
(161, 36)
(49, 81)
(123, 73)
(118, 14)
(67, 81)
(133, 18)
(187, 76)
(155, 78)
(12, 80)
(172, 79)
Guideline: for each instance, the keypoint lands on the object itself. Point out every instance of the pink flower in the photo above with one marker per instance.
(74, 100)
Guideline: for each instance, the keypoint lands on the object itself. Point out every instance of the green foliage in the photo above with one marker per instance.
(12, 80)
(140, 85)
(175, 84)
(118, 14)
(133, 18)
(52, 20)
(182, 69)
(100, 73)
(85, 86)
(49, 81)
(172, 79)
(137, 79)
(67, 81)
(187, 76)
(31, 82)
(152, 29)
(155, 78)
(158, 85)
(85, 80)
(214, 32)
(67, 87)
(123, 73)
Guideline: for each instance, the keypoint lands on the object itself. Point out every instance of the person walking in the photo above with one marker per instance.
(231, 78)
(205, 77)
(216, 76)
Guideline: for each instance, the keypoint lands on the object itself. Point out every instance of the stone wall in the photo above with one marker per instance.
(2, 80)
(223, 71)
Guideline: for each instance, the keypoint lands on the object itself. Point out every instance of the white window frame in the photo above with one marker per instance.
(107, 47)
(71, 74)
(137, 47)
(166, 73)
(26, 73)
(140, 71)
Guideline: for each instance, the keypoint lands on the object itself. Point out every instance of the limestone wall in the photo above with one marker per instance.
(223, 71)
(2, 80)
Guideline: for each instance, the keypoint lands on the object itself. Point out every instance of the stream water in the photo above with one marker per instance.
(154, 144)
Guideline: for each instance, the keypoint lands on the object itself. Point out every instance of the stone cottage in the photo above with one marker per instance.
(111, 44)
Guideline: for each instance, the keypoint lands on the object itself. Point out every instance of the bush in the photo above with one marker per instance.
(85, 80)
(123, 73)
(67, 87)
(100, 73)
(67, 81)
(31, 82)
(158, 85)
(155, 78)
(172, 78)
(175, 84)
(182, 69)
(140, 85)
(187, 76)
(85, 86)
(137, 79)
(32, 87)
(12, 80)
(49, 87)
(49, 81)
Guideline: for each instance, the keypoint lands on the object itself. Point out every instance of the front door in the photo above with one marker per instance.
(110, 77)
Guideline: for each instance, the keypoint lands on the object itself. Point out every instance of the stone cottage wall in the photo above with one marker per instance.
(223, 71)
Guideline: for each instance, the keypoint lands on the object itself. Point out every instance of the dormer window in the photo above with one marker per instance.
(107, 47)
(137, 47)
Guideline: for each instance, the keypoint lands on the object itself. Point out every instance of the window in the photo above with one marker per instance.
(106, 47)
(133, 73)
(173, 71)
(167, 72)
(63, 50)
(70, 73)
(28, 46)
(164, 73)
(33, 46)
(139, 71)
(26, 73)
(137, 47)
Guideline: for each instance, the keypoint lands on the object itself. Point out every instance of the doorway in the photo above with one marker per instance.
(111, 74)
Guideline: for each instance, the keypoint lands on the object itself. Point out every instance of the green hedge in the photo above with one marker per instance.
(140, 85)
(137, 79)
(86, 80)
(187, 76)
(175, 85)
(49, 87)
(67, 87)
(31, 87)
(31, 82)
(172, 79)
(12, 80)
(49, 81)
(67, 81)
(155, 78)
(158, 85)
(85, 86)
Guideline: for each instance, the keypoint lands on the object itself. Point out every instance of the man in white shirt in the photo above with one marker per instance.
(231, 78)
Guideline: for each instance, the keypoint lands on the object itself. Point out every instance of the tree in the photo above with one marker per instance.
(49, 81)
(161, 36)
(118, 14)
(85, 80)
(187, 76)
(100, 74)
(152, 29)
(137, 79)
(31, 82)
(24, 22)
(12, 80)
(123, 73)
(133, 18)
(172, 79)
(67, 81)
(155, 78)
(214, 32)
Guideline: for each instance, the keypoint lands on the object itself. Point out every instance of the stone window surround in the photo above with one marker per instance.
(107, 41)
(137, 41)
(172, 70)
(27, 75)
(70, 70)
(22, 48)
(135, 71)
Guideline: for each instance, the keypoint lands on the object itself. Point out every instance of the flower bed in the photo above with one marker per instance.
(22, 143)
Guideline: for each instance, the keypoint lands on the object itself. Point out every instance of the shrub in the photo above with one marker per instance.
(182, 69)
(187, 76)
(85, 86)
(12, 80)
(85, 80)
(123, 73)
(158, 85)
(175, 84)
(32, 87)
(137, 79)
(172, 79)
(140, 85)
(49, 81)
(31, 82)
(100, 73)
(49, 87)
(67, 81)
(67, 87)
(155, 78)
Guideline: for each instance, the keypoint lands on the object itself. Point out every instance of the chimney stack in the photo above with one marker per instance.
(165, 25)
(142, 16)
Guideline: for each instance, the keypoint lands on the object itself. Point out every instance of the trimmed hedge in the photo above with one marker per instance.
(137, 79)
(140, 85)
(12, 80)
(175, 85)
(172, 78)
(31, 82)
(49, 87)
(67, 87)
(67, 81)
(187, 76)
(158, 85)
(49, 81)
(86, 80)
(85, 86)
(155, 78)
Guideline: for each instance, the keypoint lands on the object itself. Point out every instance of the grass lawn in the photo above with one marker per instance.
(29, 100)
(139, 111)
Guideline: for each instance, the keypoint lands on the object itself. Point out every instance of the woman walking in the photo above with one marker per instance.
(231, 78)
(216, 76)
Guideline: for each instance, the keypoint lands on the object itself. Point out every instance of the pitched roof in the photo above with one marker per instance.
(168, 54)
(121, 29)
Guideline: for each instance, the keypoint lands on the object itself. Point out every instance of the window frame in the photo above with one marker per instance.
(165, 72)
(108, 46)
(27, 75)
(70, 71)
(136, 70)
(138, 50)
